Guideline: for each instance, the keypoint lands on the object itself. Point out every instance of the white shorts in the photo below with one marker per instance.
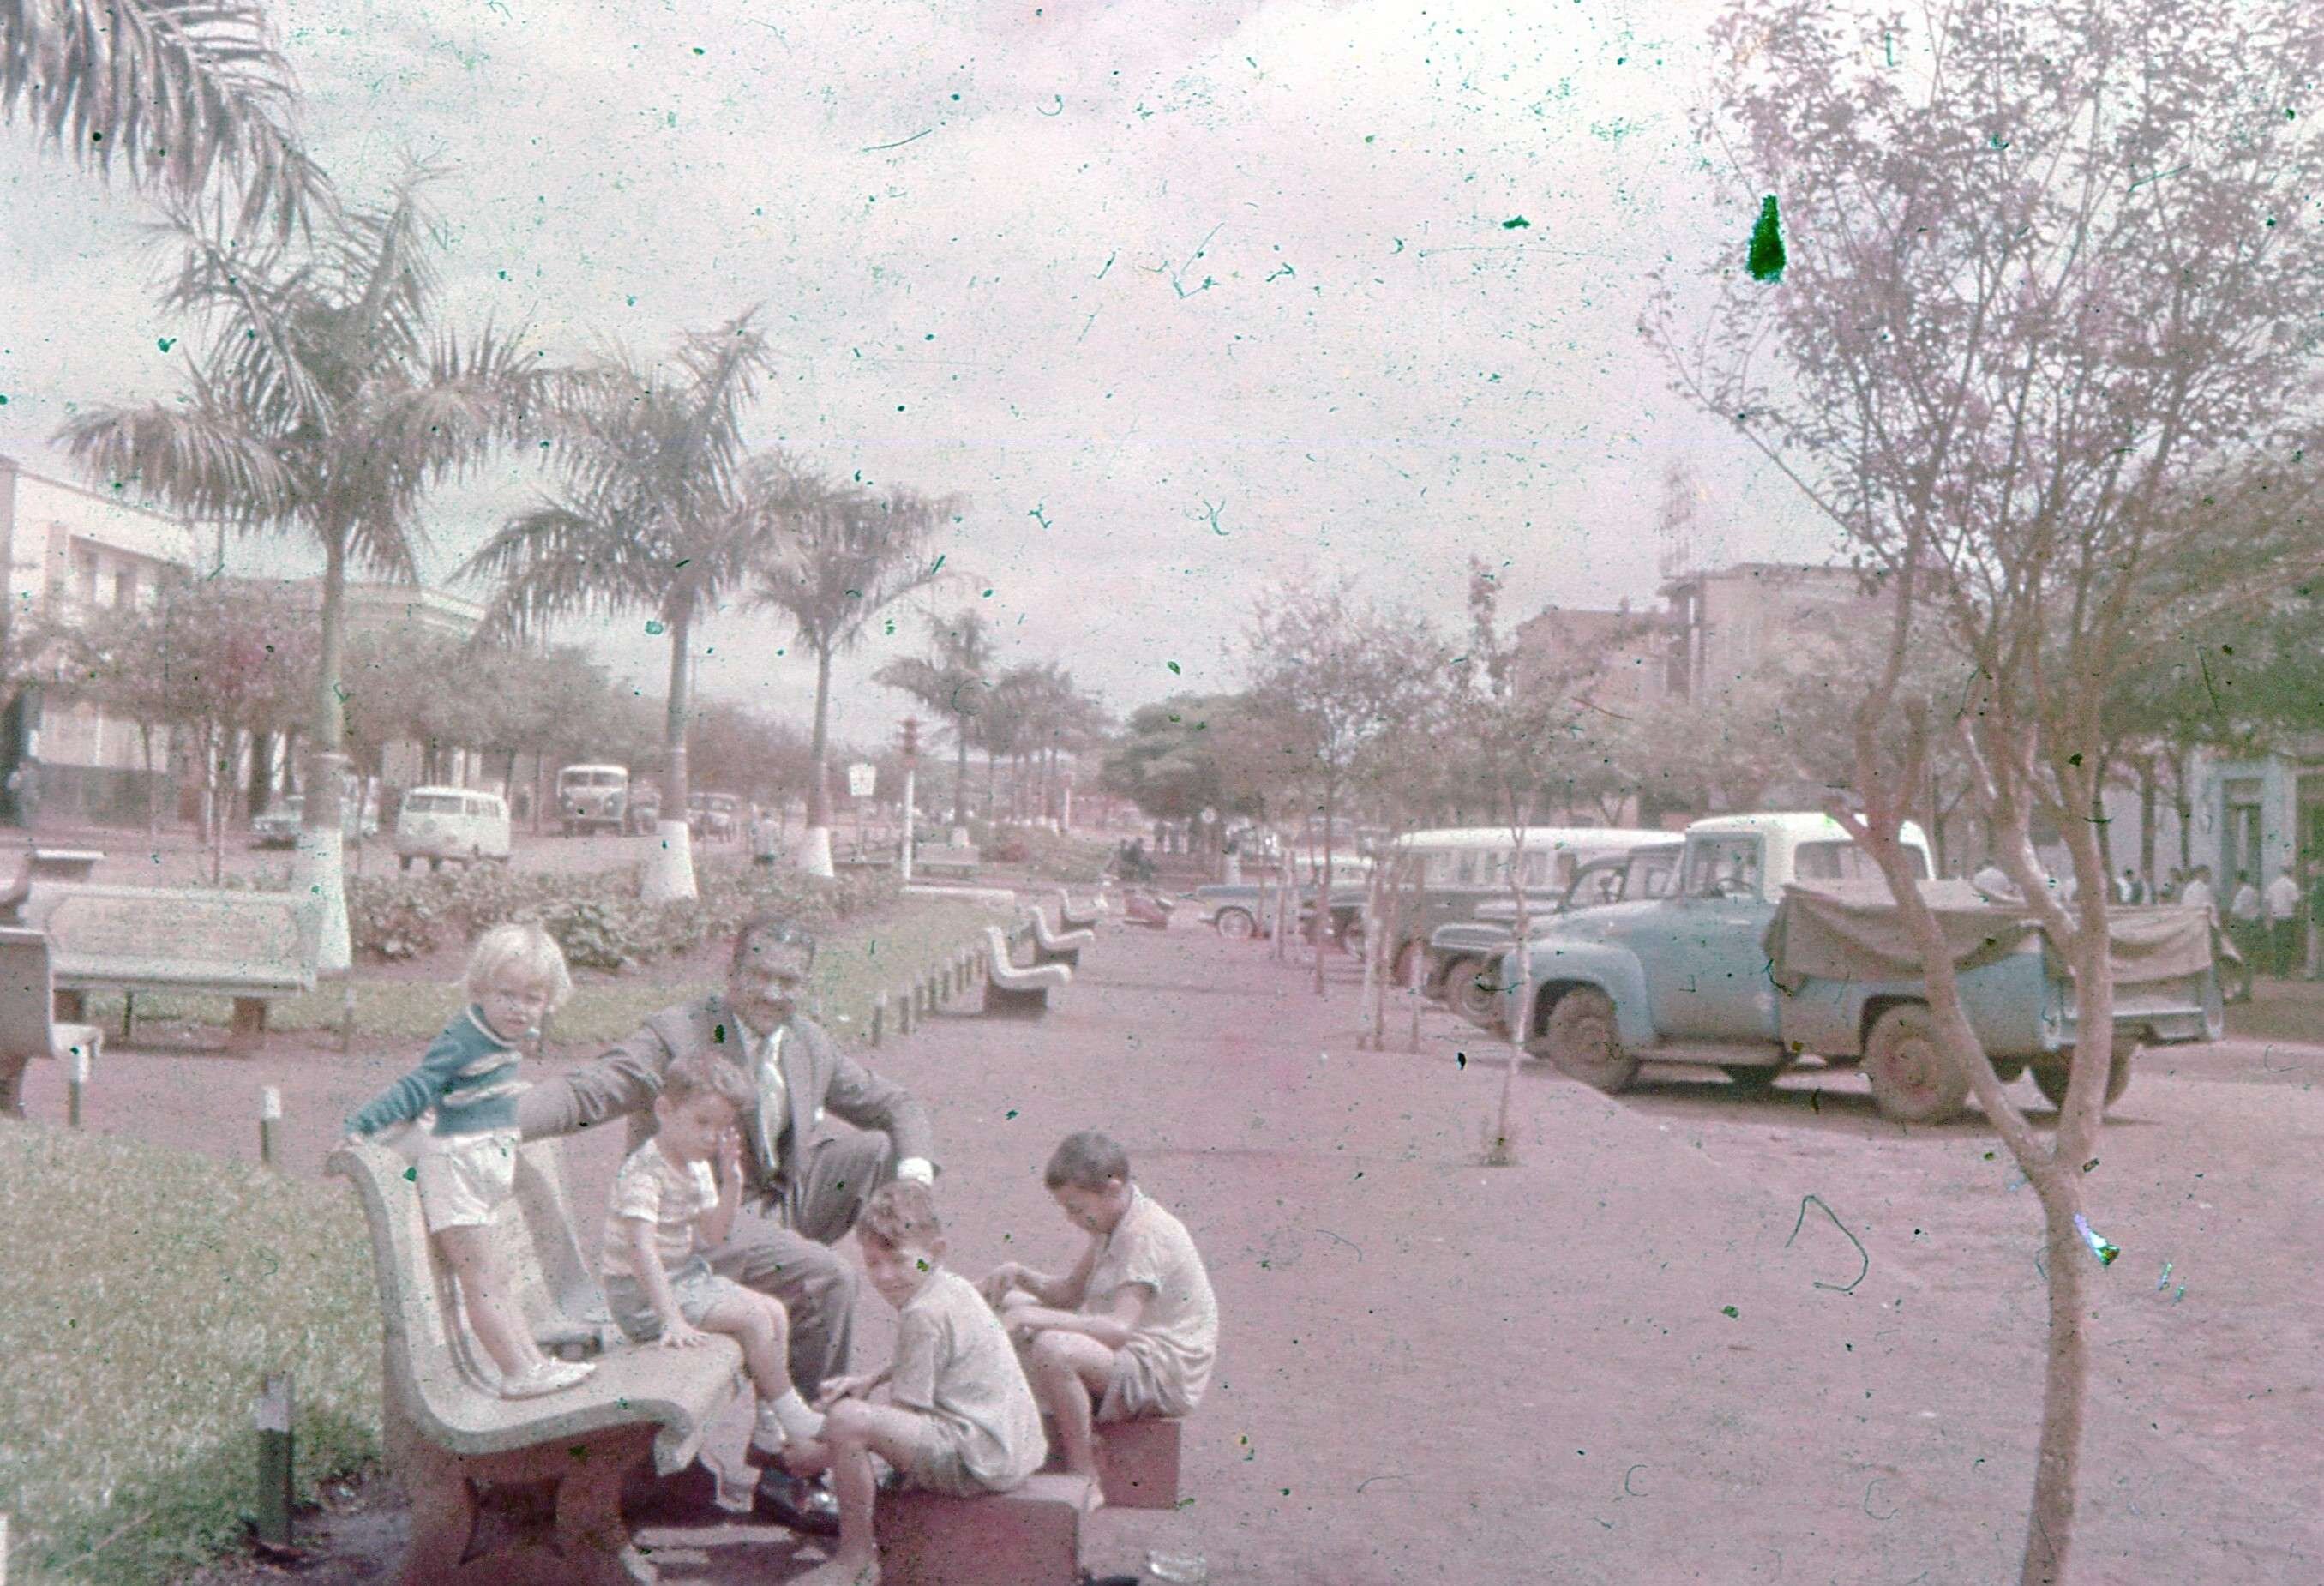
(464, 1179)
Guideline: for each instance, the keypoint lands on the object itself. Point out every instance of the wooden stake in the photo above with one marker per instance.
(270, 1122)
(879, 1016)
(272, 1414)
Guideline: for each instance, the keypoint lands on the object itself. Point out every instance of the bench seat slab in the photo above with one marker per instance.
(1031, 1536)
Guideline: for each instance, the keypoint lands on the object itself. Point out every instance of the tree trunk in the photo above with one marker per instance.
(669, 861)
(2065, 1379)
(818, 776)
(1369, 1027)
(960, 775)
(2146, 810)
(1324, 884)
(152, 789)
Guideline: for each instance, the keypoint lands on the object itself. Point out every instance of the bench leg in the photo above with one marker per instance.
(248, 1031)
(443, 1509)
(12, 1085)
(128, 1017)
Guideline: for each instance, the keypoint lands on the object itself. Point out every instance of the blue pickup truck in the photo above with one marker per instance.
(1779, 942)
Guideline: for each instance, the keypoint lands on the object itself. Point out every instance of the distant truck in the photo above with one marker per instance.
(1781, 941)
(1462, 965)
(593, 799)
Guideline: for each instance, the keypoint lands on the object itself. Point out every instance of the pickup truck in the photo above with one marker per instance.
(1235, 910)
(1731, 972)
(1463, 956)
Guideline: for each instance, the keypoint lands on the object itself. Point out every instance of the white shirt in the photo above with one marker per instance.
(2246, 903)
(2195, 894)
(2282, 898)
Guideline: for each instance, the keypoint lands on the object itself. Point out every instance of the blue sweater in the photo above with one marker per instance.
(468, 1076)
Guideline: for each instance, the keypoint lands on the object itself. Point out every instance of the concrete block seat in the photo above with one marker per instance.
(1058, 946)
(1010, 990)
(28, 1029)
(448, 1433)
(1068, 920)
(1137, 1461)
(1030, 1536)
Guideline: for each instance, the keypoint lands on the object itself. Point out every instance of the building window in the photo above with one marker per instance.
(2239, 838)
(125, 589)
(85, 576)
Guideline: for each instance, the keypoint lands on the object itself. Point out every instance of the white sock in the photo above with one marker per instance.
(790, 1412)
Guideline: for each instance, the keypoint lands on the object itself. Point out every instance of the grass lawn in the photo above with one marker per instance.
(853, 965)
(147, 1294)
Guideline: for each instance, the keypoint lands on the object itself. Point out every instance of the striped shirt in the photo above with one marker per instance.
(469, 1077)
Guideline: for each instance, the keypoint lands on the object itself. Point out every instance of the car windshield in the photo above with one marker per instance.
(1722, 867)
(434, 803)
(592, 778)
(1844, 861)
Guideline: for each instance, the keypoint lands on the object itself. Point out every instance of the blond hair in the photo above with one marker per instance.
(901, 1212)
(525, 949)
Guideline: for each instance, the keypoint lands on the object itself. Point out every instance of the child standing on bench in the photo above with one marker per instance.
(960, 1417)
(467, 1169)
(1132, 1331)
(670, 1206)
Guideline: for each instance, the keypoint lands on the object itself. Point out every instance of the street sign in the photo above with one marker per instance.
(1209, 814)
(861, 780)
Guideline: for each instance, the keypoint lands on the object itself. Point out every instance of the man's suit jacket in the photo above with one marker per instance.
(819, 1076)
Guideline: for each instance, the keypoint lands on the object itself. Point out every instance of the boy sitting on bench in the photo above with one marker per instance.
(1133, 1330)
(667, 1208)
(960, 1419)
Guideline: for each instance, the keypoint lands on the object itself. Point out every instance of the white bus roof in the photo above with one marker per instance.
(1535, 837)
(1792, 825)
(567, 770)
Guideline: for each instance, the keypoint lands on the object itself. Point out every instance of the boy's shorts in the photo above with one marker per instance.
(464, 1179)
(934, 1463)
(696, 1287)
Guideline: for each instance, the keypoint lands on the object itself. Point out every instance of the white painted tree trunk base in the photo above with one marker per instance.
(670, 864)
(318, 870)
(815, 852)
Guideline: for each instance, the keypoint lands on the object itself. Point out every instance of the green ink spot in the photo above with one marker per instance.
(1174, 668)
(1517, 223)
(413, 1174)
(1766, 259)
(1012, 1113)
(166, 343)
(653, 626)
(1728, 1311)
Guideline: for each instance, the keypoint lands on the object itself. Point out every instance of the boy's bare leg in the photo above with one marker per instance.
(493, 1312)
(762, 1327)
(1069, 1371)
(852, 1431)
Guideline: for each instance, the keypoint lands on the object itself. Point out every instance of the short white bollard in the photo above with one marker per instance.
(270, 1122)
(76, 1086)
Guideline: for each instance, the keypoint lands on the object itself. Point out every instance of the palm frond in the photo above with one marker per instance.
(198, 459)
(176, 92)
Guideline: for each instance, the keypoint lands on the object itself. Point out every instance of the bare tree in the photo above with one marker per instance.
(2051, 267)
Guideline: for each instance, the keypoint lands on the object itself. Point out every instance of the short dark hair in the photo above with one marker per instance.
(698, 1074)
(769, 927)
(901, 1212)
(1087, 1160)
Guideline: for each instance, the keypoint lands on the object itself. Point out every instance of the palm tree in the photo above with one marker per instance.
(326, 407)
(952, 680)
(651, 518)
(844, 556)
(172, 91)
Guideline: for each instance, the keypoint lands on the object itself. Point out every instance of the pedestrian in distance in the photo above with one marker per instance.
(2284, 910)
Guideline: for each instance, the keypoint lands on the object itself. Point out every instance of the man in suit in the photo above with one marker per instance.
(803, 1183)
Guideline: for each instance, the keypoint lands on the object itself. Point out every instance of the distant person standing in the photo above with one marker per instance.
(766, 839)
(2197, 892)
(2243, 921)
(2283, 904)
(1233, 856)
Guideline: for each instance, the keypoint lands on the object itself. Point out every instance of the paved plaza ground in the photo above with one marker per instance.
(1612, 1362)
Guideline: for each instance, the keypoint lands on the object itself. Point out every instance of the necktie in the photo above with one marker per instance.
(774, 1098)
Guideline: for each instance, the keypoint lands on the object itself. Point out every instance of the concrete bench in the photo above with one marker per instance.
(63, 864)
(866, 856)
(1030, 1536)
(1058, 946)
(946, 861)
(1068, 920)
(1010, 990)
(28, 1029)
(448, 1435)
(1137, 1461)
(251, 946)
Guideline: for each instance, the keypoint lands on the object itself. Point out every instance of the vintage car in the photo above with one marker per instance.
(1236, 910)
(277, 825)
(1781, 941)
(1461, 967)
(458, 823)
(717, 817)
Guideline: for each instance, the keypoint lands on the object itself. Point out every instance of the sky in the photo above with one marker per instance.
(1186, 298)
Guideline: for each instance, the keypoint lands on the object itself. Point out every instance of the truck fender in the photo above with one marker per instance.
(1559, 967)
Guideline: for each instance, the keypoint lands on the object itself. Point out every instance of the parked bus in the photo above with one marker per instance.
(592, 797)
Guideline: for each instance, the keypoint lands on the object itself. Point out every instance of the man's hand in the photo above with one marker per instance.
(681, 1334)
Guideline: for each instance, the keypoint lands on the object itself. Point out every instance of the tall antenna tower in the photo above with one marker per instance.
(1675, 520)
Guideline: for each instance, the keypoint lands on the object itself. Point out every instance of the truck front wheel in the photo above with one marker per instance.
(1581, 1041)
(1912, 1080)
(2050, 1078)
(1468, 993)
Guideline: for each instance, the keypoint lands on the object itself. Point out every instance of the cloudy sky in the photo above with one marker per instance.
(1186, 295)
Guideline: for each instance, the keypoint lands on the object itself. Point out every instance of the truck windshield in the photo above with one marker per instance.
(1722, 867)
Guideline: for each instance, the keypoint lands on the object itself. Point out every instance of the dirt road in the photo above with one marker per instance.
(1613, 1361)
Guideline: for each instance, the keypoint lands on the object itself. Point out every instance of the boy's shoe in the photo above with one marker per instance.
(808, 1508)
(548, 1376)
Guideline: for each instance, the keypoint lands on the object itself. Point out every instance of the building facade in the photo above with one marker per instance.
(76, 557)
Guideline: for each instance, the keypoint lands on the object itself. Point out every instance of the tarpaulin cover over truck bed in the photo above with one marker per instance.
(1853, 930)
